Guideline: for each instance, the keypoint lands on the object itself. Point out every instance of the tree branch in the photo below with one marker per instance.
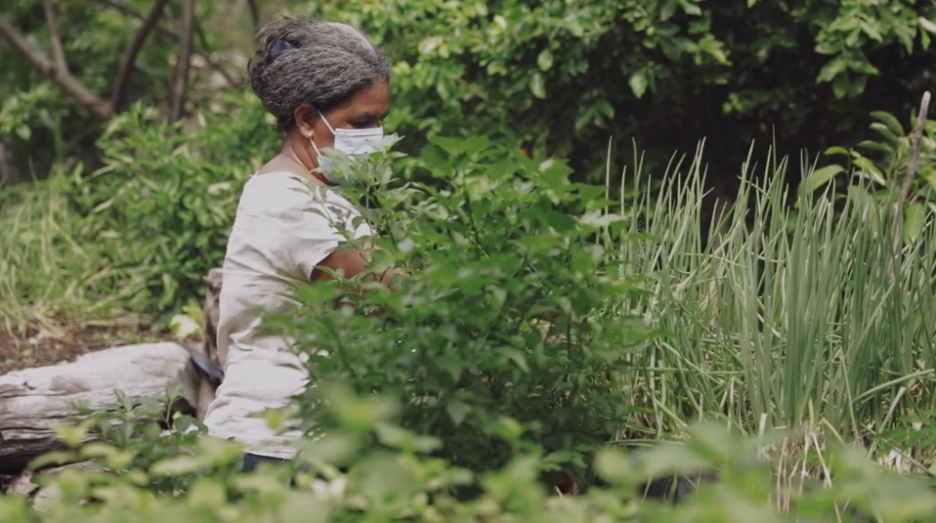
(62, 78)
(254, 15)
(58, 52)
(9, 174)
(133, 14)
(183, 63)
(169, 35)
(911, 166)
(129, 59)
(908, 178)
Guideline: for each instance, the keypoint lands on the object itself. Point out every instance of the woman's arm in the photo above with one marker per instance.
(352, 263)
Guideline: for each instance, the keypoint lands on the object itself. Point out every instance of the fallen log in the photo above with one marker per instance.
(33, 401)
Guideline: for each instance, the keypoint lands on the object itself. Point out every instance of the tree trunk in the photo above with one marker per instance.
(8, 171)
(32, 401)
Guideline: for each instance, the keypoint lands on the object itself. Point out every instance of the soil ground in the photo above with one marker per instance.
(40, 346)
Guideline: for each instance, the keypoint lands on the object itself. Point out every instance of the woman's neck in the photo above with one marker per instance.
(295, 158)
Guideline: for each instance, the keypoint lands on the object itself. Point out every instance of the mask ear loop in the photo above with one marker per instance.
(322, 116)
(317, 152)
(311, 141)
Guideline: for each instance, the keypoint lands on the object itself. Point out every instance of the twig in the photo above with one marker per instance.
(129, 59)
(9, 174)
(58, 52)
(254, 14)
(133, 14)
(911, 172)
(180, 76)
(174, 38)
(62, 78)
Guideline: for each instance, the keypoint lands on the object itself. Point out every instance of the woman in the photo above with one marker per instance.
(327, 86)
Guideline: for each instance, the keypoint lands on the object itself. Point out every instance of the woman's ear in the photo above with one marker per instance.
(305, 116)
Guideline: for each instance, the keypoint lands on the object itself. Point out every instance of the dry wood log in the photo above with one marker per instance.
(32, 401)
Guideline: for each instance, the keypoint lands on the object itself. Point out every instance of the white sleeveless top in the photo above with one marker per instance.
(284, 228)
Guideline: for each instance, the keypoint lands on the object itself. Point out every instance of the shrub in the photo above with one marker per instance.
(400, 482)
(562, 77)
(440, 401)
(159, 210)
(516, 307)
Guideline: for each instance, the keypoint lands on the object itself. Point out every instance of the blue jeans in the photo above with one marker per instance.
(252, 461)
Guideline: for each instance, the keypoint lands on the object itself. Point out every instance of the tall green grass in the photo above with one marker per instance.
(786, 318)
(45, 263)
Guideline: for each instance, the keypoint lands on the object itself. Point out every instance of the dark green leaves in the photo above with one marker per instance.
(465, 341)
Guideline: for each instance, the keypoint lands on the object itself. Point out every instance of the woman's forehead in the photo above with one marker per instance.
(373, 101)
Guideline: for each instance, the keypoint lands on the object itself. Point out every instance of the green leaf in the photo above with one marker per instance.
(538, 85)
(615, 466)
(395, 436)
(820, 177)
(545, 60)
(452, 146)
(457, 410)
(53, 458)
(668, 9)
(207, 492)
(884, 131)
(931, 180)
(837, 150)
(518, 358)
(177, 466)
(840, 85)
(926, 24)
(871, 170)
(873, 32)
(873, 146)
(691, 8)
(890, 121)
(72, 436)
(638, 83)
(832, 70)
(914, 218)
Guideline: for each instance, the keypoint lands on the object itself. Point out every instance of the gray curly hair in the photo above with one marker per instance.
(301, 60)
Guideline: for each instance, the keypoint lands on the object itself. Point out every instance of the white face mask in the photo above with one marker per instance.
(353, 142)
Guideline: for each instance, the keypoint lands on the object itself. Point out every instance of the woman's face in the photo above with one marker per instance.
(367, 109)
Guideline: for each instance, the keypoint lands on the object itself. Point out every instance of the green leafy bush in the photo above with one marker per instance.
(159, 210)
(515, 307)
(43, 124)
(560, 78)
(883, 165)
(397, 481)
(440, 400)
(557, 78)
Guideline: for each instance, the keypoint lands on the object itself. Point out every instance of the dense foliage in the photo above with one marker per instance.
(138, 473)
(441, 400)
(557, 78)
(564, 76)
(539, 333)
(514, 307)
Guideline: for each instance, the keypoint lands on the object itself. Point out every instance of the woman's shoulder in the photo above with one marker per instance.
(282, 184)
(285, 191)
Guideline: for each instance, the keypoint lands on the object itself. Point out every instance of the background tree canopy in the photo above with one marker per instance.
(557, 78)
(143, 108)
(545, 320)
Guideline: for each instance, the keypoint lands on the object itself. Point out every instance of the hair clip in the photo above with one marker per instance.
(280, 47)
